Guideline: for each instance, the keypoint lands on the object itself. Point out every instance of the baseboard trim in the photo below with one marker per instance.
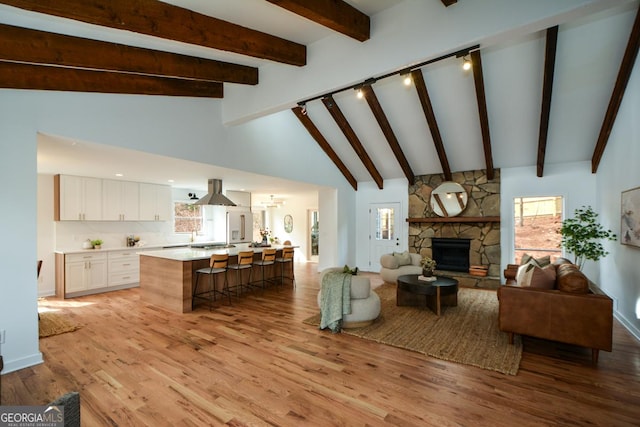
(628, 325)
(23, 362)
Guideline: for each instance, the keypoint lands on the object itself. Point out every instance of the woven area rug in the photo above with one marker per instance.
(54, 324)
(466, 334)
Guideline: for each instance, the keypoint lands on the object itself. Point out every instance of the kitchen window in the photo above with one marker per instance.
(187, 218)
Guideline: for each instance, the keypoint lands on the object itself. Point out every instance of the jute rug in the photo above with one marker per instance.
(466, 334)
(54, 324)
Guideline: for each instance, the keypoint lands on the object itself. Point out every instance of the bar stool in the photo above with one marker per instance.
(284, 260)
(217, 264)
(245, 262)
(268, 258)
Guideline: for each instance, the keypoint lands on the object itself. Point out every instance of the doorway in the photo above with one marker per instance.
(384, 231)
(313, 227)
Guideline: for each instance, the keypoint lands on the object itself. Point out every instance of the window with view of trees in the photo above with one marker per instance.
(537, 221)
(188, 218)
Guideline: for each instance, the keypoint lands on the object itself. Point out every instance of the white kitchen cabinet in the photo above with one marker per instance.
(120, 200)
(155, 202)
(124, 268)
(77, 198)
(84, 272)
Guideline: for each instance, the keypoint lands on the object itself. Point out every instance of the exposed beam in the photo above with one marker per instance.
(478, 79)
(322, 142)
(15, 75)
(334, 14)
(40, 47)
(628, 60)
(427, 107)
(351, 136)
(547, 89)
(448, 3)
(385, 126)
(167, 21)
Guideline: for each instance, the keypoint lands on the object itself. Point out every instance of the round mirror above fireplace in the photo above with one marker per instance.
(448, 199)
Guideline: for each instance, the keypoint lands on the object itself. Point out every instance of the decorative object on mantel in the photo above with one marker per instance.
(581, 236)
(448, 199)
(630, 217)
(428, 265)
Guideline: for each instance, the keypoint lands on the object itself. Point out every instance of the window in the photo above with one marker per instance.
(188, 218)
(537, 221)
(384, 224)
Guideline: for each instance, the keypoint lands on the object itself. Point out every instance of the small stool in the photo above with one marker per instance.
(268, 258)
(217, 265)
(245, 262)
(286, 259)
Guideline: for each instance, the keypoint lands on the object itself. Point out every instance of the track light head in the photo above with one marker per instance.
(406, 79)
(466, 63)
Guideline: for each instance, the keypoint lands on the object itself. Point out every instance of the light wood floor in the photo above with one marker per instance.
(256, 363)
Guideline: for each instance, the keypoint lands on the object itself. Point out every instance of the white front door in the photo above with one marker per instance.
(385, 232)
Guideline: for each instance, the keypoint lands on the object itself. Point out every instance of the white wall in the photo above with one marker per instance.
(619, 170)
(573, 181)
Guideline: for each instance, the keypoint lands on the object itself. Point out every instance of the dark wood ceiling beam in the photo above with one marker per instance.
(15, 75)
(322, 142)
(478, 79)
(385, 126)
(547, 89)
(628, 61)
(167, 21)
(448, 3)
(427, 108)
(334, 14)
(40, 47)
(351, 136)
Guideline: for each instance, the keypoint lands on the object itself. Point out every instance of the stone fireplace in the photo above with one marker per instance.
(451, 254)
(478, 224)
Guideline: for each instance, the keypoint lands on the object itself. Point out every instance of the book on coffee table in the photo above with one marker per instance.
(427, 279)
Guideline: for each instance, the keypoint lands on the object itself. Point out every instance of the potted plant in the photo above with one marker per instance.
(428, 265)
(581, 236)
(97, 243)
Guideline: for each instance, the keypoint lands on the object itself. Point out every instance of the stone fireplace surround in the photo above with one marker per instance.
(484, 235)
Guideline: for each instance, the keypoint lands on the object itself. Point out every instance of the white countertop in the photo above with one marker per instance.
(193, 254)
(153, 247)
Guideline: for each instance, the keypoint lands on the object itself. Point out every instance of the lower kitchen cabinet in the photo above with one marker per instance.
(93, 272)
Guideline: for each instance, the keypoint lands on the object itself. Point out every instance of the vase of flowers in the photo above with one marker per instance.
(428, 265)
(265, 233)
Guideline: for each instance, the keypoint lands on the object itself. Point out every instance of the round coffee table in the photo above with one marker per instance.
(421, 293)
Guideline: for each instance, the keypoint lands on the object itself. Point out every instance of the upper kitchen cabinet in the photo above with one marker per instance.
(120, 200)
(77, 198)
(155, 202)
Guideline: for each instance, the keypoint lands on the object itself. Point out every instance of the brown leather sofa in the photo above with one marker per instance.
(580, 317)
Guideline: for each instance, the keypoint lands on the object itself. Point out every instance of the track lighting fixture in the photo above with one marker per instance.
(466, 63)
(407, 79)
(303, 108)
(359, 92)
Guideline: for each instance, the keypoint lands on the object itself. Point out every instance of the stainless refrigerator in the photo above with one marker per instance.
(239, 226)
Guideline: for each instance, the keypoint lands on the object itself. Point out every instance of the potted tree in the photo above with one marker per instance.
(581, 236)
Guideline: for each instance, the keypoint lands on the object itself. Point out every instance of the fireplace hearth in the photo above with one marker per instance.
(451, 254)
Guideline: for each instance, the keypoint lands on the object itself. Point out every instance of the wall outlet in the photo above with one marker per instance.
(2, 335)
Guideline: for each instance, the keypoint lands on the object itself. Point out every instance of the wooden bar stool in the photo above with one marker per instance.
(245, 262)
(217, 265)
(285, 260)
(268, 258)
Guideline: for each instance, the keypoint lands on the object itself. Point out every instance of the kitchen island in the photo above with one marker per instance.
(167, 276)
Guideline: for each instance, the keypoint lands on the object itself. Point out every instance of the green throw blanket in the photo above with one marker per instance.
(335, 299)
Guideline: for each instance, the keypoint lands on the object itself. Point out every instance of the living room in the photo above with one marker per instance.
(201, 130)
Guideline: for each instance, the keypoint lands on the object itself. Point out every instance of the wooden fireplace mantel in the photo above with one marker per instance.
(455, 219)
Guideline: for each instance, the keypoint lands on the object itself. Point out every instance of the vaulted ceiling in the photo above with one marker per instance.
(545, 96)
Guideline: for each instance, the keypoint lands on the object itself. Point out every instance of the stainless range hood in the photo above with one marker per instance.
(215, 196)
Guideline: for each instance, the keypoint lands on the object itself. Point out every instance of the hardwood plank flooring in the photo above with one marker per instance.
(256, 363)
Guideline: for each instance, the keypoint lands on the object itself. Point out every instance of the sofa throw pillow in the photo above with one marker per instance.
(571, 279)
(523, 276)
(543, 278)
(403, 258)
(389, 261)
(538, 262)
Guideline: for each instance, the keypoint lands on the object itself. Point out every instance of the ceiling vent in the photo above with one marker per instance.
(215, 196)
